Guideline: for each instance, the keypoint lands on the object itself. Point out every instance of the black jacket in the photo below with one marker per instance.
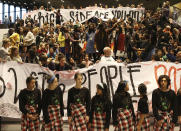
(27, 97)
(75, 96)
(103, 105)
(123, 100)
(52, 97)
(164, 101)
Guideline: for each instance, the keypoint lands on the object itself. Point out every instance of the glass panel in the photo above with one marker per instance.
(5, 10)
(1, 6)
(23, 12)
(17, 12)
(12, 12)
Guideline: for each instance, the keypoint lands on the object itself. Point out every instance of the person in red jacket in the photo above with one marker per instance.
(119, 42)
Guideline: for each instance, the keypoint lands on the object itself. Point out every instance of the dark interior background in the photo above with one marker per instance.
(149, 4)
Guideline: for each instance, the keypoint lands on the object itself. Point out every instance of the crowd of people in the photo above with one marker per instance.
(86, 114)
(74, 45)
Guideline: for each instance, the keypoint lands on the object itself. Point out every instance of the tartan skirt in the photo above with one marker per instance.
(78, 112)
(98, 122)
(125, 120)
(28, 124)
(56, 121)
(145, 124)
(166, 122)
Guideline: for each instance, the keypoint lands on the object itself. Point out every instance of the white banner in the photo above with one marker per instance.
(82, 15)
(13, 79)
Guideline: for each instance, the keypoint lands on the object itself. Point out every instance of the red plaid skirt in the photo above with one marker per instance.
(125, 120)
(56, 121)
(166, 122)
(98, 122)
(26, 123)
(78, 123)
(145, 124)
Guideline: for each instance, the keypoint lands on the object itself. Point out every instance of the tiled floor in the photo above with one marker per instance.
(17, 127)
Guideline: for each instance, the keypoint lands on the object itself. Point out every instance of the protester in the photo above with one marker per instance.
(129, 40)
(107, 55)
(100, 113)
(123, 112)
(90, 36)
(178, 57)
(30, 106)
(32, 57)
(52, 105)
(78, 105)
(76, 49)
(15, 54)
(61, 40)
(142, 119)
(29, 37)
(72, 63)
(62, 65)
(15, 39)
(4, 50)
(164, 105)
(119, 42)
(86, 61)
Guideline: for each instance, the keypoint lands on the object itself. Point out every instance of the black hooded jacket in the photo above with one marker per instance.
(101, 104)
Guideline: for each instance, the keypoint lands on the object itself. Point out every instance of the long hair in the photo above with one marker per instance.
(121, 86)
(166, 77)
(5, 41)
(142, 89)
(13, 49)
(105, 90)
